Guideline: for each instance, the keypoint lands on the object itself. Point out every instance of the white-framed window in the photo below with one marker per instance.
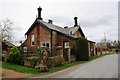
(66, 44)
(24, 49)
(45, 45)
(32, 40)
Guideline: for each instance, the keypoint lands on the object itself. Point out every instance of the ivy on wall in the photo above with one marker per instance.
(81, 49)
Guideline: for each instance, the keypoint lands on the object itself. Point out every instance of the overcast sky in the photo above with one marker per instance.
(95, 17)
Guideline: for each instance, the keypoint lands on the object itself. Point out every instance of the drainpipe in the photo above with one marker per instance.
(51, 42)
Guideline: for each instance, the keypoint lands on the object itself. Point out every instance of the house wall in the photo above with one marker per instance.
(54, 39)
(28, 41)
(61, 39)
(41, 35)
(91, 47)
(44, 36)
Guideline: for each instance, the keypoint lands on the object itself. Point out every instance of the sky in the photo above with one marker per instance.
(97, 18)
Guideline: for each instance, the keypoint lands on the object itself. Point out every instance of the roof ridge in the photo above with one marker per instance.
(52, 24)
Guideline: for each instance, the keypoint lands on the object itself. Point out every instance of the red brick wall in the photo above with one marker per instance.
(91, 47)
(44, 36)
(28, 41)
(61, 39)
(41, 35)
(54, 39)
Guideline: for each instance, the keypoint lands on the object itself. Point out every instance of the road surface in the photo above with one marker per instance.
(104, 67)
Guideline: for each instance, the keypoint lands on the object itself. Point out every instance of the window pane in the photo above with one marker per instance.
(32, 43)
(66, 44)
(47, 45)
(25, 49)
(32, 39)
(43, 44)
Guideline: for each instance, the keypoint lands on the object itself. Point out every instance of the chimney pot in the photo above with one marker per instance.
(39, 13)
(66, 27)
(50, 21)
(76, 23)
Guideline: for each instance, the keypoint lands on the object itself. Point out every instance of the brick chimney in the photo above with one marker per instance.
(50, 21)
(39, 13)
(76, 23)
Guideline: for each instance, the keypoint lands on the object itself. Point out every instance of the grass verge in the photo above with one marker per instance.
(23, 69)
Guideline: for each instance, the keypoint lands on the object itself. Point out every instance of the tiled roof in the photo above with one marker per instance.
(68, 31)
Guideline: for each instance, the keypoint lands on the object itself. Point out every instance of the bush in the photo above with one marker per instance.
(31, 61)
(40, 52)
(55, 61)
(34, 61)
(42, 68)
(82, 52)
(14, 56)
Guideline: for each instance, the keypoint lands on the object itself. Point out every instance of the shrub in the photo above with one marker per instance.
(31, 61)
(14, 56)
(42, 68)
(34, 61)
(40, 52)
(55, 61)
(50, 62)
(82, 49)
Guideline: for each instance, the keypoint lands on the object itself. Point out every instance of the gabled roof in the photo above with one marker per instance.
(91, 41)
(73, 30)
(64, 31)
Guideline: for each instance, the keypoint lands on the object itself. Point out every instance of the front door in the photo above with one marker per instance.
(65, 50)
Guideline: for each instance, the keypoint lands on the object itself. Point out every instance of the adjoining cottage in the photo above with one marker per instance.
(57, 39)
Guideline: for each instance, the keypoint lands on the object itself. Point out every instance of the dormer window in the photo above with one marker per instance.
(32, 40)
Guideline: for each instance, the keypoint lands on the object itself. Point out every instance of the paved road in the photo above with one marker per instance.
(104, 67)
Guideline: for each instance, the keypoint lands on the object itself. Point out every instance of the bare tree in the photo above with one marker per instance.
(6, 30)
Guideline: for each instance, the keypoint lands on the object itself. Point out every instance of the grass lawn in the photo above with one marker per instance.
(19, 68)
(23, 69)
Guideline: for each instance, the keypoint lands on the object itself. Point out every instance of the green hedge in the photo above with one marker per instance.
(82, 53)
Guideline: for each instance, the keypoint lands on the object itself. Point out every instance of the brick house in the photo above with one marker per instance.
(46, 34)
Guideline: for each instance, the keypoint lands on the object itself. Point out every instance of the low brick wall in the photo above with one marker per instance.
(27, 63)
